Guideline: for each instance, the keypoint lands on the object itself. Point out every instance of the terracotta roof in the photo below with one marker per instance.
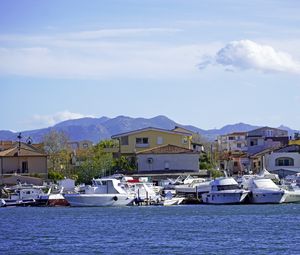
(168, 149)
(152, 129)
(25, 150)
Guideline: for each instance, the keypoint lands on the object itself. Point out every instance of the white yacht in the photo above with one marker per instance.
(103, 192)
(292, 189)
(224, 190)
(292, 194)
(191, 186)
(264, 191)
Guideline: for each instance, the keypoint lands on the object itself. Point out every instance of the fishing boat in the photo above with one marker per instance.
(24, 194)
(102, 192)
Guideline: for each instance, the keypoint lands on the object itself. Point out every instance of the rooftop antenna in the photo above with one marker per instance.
(19, 146)
(29, 140)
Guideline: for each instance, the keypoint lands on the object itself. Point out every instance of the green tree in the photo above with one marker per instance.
(96, 163)
(205, 162)
(108, 144)
(124, 163)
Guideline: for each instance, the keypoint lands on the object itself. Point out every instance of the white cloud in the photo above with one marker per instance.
(50, 120)
(101, 54)
(102, 61)
(246, 54)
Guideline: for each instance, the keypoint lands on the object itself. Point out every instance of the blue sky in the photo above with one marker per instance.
(204, 63)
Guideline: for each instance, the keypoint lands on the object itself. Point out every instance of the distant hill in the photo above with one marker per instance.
(97, 129)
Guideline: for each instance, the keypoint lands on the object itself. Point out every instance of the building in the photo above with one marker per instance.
(232, 142)
(167, 159)
(23, 159)
(284, 161)
(196, 141)
(296, 139)
(80, 145)
(234, 162)
(132, 142)
(266, 138)
(78, 149)
(232, 155)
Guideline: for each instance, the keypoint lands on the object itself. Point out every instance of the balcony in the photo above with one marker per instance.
(141, 145)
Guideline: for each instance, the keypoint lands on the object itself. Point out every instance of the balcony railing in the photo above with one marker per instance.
(142, 145)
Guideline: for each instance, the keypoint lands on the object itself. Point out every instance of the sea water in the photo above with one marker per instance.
(195, 229)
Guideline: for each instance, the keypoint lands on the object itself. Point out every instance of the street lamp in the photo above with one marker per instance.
(19, 150)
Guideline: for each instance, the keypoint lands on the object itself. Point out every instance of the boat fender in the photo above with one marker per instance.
(115, 198)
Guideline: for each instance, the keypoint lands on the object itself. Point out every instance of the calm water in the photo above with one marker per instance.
(199, 229)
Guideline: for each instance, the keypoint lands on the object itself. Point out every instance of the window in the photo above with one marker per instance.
(235, 163)
(160, 140)
(167, 165)
(253, 142)
(149, 160)
(269, 133)
(284, 162)
(231, 138)
(85, 145)
(141, 142)
(24, 166)
(239, 145)
(185, 140)
(124, 140)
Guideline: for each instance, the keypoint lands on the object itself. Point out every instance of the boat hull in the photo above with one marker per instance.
(224, 197)
(292, 197)
(57, 200)
(267, 196)
(82, 200)
(173, 201)
(13, 202)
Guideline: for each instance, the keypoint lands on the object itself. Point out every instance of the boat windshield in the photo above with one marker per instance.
(99, 183)
(227, 187)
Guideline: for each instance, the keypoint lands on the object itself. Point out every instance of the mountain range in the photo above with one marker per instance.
(97, 129)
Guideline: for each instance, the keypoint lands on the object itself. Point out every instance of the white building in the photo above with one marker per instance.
(284, 161)
(168, 158)
(233, 142)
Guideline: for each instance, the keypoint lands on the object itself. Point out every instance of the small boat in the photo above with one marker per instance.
(103, 192)
(145, 191)
(169, 199)
(26, 194)
(13, 202)
(224, 190)
(57, 200)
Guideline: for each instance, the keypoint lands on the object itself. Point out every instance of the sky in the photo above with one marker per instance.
(202, 63)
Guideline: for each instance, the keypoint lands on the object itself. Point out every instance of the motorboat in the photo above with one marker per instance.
(292, 194)
(264, 191)
(25, 194)
(13, 202)
(56, 197)
(169, 199)
(224, 190)
(191, 186)
(102, 192)
(291, 186)
(145, 191)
